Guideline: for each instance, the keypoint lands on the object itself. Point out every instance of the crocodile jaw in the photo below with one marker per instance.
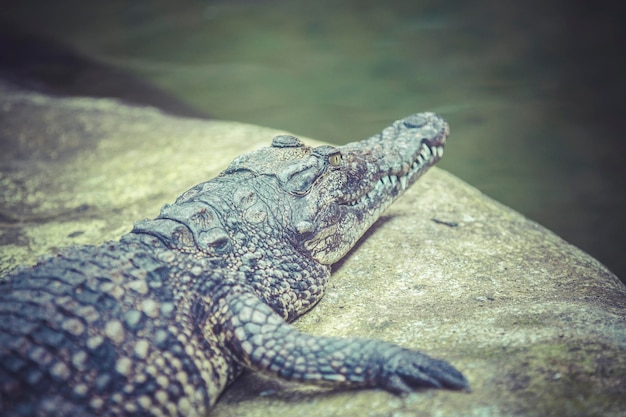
(386, 166)
(388, 186)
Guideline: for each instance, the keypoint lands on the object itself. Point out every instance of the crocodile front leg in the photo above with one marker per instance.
(260, 339)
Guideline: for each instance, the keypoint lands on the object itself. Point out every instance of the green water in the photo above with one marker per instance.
(532, 90)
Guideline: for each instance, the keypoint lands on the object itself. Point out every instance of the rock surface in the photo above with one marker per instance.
(537, 326)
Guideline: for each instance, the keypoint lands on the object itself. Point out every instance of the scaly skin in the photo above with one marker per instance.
(159, 323)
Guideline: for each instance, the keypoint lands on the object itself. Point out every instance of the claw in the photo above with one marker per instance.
(396, 385)
(407, 370)
(421, 379)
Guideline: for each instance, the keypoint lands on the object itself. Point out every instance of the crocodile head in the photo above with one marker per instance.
(325, 198)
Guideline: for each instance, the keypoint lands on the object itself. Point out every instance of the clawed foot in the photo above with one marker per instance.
(406, 370)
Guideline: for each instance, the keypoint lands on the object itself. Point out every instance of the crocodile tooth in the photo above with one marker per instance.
(403, 182)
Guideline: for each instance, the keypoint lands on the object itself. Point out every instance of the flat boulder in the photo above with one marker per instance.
(536, 325)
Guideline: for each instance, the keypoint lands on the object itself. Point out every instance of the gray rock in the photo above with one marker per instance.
(537, 326)
(79, 170)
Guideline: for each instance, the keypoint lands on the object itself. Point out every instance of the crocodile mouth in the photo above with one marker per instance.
(382, 168)
(392, 184)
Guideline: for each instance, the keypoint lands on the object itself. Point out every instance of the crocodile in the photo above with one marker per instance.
(161, 321)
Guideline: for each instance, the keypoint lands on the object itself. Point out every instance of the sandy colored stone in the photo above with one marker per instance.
(79, 170)
(536, 325)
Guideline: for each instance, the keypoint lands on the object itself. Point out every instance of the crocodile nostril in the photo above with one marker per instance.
(415, 120)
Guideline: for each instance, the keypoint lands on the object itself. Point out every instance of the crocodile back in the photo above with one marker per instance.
(100, 331)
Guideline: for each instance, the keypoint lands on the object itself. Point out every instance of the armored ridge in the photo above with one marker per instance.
(161, 321)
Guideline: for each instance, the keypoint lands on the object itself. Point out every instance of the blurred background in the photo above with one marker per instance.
(534, 91)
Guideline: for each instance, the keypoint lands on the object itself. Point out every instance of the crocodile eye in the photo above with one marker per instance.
(335, 159)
